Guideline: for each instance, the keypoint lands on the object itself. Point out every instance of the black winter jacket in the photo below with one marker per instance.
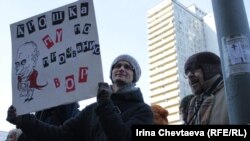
(110, 121)
(54, 116)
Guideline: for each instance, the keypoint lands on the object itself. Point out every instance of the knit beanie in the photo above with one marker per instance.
(207, 61)
(132, 62)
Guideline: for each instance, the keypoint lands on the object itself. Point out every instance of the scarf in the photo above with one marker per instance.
(127, 88)
(201, 105)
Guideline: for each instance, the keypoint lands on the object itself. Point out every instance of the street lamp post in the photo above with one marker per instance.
(234, 39)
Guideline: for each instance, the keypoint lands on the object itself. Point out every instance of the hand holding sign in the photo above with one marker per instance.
(104, 92)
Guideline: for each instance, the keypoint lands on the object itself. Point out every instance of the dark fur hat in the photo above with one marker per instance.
(207, 61)
(184, 105)
(185, 101)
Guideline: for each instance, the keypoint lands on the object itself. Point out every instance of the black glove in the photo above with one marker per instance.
(11, 115)
(104, 92)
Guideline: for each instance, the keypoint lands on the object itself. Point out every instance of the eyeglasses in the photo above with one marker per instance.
(191, 72)
(125, 66)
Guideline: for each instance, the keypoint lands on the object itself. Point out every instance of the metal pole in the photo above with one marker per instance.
(234, 39)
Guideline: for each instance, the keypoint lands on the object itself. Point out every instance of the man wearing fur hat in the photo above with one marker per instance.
(208, 105)
(118, 107)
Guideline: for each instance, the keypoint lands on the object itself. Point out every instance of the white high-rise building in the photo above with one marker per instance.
(174, 33)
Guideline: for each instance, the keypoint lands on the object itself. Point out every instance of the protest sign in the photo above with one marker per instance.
(55, 58)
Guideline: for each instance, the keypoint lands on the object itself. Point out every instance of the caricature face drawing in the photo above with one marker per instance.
(26, 59)
(25, 62)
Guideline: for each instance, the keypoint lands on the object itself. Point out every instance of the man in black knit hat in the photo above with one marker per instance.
(208, 105)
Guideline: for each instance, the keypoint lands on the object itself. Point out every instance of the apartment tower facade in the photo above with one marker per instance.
(174, 33)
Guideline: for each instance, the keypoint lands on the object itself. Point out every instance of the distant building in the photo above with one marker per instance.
(3, 135)
(175, 33)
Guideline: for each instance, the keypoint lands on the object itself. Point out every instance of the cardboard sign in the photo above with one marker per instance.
(55, 58)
